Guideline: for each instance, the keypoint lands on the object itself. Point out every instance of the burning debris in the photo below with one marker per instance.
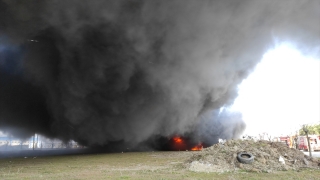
(198, 147)
(267, 155)
(184, 144)
(177, 140)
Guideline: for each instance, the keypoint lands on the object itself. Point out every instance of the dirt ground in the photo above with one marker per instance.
(223, 157)
(216, 162)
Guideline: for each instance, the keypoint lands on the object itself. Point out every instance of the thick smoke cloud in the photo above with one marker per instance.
(219, 124)
(109, 71)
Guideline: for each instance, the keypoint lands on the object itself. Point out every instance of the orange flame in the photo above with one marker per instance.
(198, 147)
(177, 139)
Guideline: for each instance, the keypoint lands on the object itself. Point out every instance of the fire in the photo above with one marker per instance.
(183, 144)
(198, 147)
(177, 139)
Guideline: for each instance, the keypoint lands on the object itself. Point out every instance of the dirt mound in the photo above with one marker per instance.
(223, 157)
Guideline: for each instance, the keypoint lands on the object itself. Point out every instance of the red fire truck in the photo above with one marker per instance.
(303, 143)
(285, 140)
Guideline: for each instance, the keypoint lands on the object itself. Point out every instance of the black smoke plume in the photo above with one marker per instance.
(127, 71)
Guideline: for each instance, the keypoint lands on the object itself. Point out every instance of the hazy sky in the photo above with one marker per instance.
(282, 93)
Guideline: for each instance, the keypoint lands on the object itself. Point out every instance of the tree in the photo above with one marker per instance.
(312, 129)
(306, 131)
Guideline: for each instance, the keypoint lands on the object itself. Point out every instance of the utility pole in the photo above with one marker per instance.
(306, 131)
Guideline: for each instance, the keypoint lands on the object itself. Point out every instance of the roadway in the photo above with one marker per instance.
(314, 154)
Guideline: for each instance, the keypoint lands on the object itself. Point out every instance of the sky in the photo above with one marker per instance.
(282, 93)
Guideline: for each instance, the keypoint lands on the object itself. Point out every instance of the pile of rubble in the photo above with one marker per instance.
(268, 157)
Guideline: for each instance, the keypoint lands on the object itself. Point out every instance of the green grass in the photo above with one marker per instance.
(126, 166)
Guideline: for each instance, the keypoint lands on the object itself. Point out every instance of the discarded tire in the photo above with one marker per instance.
(246, 158)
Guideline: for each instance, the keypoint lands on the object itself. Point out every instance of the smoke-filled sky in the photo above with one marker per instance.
(104, 71)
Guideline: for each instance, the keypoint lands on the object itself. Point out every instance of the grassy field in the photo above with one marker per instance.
(134, 165)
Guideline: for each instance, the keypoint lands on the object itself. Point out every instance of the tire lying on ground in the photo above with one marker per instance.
(244, 157)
